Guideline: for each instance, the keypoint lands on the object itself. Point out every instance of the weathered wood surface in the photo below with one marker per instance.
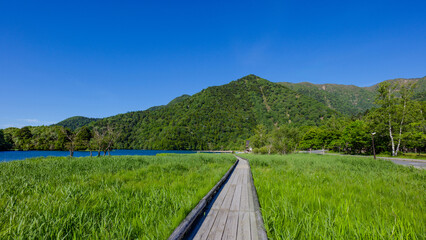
(235, 212)
(187, 224)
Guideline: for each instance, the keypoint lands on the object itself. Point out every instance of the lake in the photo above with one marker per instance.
(6, 156)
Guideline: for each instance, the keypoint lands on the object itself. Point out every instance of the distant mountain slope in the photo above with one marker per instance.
(217, 117)
(75, 122)
(350, 99)
(174, 101)
(347, 99)
(419, 91)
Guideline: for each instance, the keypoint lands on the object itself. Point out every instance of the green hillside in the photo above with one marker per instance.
(217, 117)
(350, 99)
(419, 91)
(347, 99)
(174, 101)
(75, 122)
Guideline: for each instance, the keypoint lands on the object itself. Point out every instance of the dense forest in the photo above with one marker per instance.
(397, 123)
(75, 122)
(352, 100)
(276, 117)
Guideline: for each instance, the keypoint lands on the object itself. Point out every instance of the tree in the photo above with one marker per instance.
(83, 138)
(395, 101)
(71, 136)
(415, 134)
(97, 141)
(24, 136)
(285, 139)
(110, 138)
(260, 137)
(312, 139)
(416, 137)
(357, 137)
(3, 144)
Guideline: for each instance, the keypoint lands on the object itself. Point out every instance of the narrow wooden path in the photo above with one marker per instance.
(233, 214)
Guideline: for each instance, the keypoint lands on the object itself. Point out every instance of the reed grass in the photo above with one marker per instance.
(123, 197)
(305, 196)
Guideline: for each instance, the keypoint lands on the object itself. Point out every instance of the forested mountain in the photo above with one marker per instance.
(419, 90)
(174, 101)
(75, 122)
(217, 117)
(347, 99)
(223, 117)
(350, 99)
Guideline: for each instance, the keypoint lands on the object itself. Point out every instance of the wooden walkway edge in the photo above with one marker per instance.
(235, 210)
(187, 224)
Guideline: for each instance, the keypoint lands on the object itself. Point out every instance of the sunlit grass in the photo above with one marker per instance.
(306, 196)
(124, 197)
(421, 156)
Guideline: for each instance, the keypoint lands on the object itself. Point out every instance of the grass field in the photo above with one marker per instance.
(333, 197)
(406, 155)
(123, 197)
(414, 156)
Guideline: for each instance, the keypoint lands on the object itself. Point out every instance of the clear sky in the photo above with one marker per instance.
(99, 58)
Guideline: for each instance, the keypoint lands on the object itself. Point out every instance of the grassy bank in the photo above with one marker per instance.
(124, 197)
(415, 156)
(333, 197)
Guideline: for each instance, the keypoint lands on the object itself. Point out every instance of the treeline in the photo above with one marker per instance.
(59, 138)
(397, 125)
(217, 118)
(76, 122)
(276, 119)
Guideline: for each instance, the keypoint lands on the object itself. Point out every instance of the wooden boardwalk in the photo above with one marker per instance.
(233, 214)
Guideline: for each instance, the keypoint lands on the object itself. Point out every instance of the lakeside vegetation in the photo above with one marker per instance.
(398, 124)
(76, 122)
(124, 197)
(349, 99)
(333, 197)
(414, 156)
(276, 117)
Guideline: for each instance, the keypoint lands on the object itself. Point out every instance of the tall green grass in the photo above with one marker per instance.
(306, 196)
(125, 197)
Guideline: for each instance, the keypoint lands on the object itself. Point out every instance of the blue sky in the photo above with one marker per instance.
(99, 58)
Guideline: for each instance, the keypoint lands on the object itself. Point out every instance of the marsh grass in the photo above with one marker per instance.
(125, 197)
(333, 197)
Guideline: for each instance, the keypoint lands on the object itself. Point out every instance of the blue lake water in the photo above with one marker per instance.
(20, 155)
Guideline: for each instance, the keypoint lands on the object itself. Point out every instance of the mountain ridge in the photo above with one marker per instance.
(218, 116)
(351, 99)
(349, 107)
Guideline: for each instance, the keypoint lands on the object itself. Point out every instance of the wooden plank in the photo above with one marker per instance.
(204, 230)
(243, 232)
(248, 176)
(240, 177)
(245, 179)
(232, 178)
(235, 205)
(253, 226)
(219, 200)
(244, 205)
(231, 227)
(228, 198)
(233, 214)
(216, 231)
(236, 175)
(189, 220)
(250, 197)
